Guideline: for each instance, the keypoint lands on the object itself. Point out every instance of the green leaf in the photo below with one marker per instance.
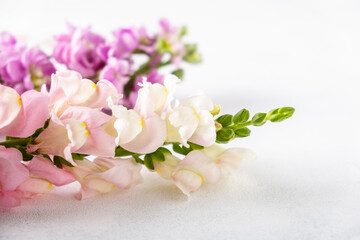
(195, 146)
(120, 152)
(66, 163)
(242, 116)
(258, 119)
(57, 162)
(225, 120)
(224, 135)
(242, 132)
(138, 160)
(78, 156)
(157, 156)
(280, 114)
(179, 73)
(148, 161)
(26, 156)
(178, 149)
(164, 150)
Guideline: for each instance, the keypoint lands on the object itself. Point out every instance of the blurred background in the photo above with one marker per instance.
(257, 55)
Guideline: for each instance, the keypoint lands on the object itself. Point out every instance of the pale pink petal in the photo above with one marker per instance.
(10, 103)
(187, 181)
(128, 124)
(44, 168)
(33, 187)
(198, 102)
(33, 115)
(198, 162)
(165, 169)
(123, 173)
(205, 133)
(151, 137)
(12, 171)
(231, 158)
(10, 199)
(104, 90)
(93, 186)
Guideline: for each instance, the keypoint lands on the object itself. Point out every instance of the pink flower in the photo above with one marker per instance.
(194, 169)
(78, 50)
(78, 129)
(104, 174)
(21, 116)
(69, 89)
(19, 181)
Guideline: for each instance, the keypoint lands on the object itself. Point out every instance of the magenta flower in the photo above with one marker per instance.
(21, 68)
(117, 72)
(78, 50)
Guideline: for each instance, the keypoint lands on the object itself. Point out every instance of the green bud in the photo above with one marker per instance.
(192, 55)
(258, 119)
(216, 110)
(163, 46)
(242, 116)
(148, 161)
(183, 31)
(225, 120)
(242, 132)
(224, 135)
(280, 114)
(179, 73)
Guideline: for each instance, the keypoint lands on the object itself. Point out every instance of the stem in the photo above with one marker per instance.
(15, 142)
(143, 69)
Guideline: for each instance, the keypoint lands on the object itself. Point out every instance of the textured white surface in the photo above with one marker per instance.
(305, 183)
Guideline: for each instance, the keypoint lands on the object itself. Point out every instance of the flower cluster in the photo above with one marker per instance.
(94, 57)
(53, 134)
(23, 68)
(119, 60)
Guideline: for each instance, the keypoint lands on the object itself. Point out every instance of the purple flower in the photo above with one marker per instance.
(21, 68)
(117, 72)
(78, 50)
(152, 77)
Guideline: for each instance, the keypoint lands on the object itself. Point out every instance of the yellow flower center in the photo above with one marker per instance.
(86, 130)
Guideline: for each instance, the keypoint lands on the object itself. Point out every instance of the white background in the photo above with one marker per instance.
(305, 183)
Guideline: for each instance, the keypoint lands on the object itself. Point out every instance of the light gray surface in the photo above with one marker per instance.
(305, 183)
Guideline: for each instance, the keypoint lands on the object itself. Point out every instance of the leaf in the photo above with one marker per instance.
(178, 149)
(224, 135)
(120, 152)
(258, 119)
(179, 73)
(138, 160)
(157, 156)
(164, 150)
(195, 146)
(148, 161)
(225, 120)
(280, 114)
(78, 156)
(57, 162)
(242, 132)
(242, 116)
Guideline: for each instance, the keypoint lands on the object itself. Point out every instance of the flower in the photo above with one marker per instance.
(21, 116)
(153, 77)
(78, 50)
(25, 181)
(117, 72)
(143, 130)
(78, 129)
(194, 169)
(104, 174)
(69, 89)
(228, 159)
(22, 68)
(192, 121)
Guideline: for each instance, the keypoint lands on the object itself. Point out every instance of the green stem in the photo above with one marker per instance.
(143, 69)
(15, 142)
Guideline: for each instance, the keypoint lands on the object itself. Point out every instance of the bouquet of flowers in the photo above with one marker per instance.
(89, 130)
